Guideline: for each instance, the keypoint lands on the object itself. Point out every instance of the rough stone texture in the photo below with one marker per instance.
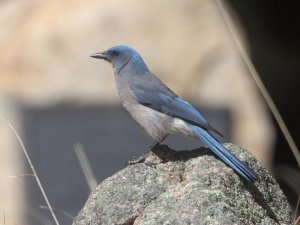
(186, 187)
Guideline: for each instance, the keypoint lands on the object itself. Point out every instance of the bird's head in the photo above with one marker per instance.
(123, 58)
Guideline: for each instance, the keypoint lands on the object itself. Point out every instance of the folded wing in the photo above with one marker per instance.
(159, 97)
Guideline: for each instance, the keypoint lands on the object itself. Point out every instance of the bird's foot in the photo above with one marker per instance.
(141, 159)
(137, 160)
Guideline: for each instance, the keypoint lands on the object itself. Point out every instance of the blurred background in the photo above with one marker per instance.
(56, 95)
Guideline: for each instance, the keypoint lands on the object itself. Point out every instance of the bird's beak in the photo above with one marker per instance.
(101, 55)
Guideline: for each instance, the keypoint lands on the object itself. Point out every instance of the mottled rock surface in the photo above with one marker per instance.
(186, 187)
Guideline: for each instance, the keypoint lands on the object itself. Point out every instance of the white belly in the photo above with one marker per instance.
(180, 126)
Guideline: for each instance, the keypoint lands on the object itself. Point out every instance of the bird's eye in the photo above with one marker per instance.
(115, 52)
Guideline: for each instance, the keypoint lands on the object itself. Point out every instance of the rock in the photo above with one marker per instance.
(186, 187)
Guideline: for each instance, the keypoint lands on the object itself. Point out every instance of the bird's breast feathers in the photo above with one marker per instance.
(154, 123)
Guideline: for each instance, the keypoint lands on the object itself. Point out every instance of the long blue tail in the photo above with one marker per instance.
(224, 154)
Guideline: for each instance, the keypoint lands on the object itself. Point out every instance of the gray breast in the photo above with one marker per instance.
(155, 124)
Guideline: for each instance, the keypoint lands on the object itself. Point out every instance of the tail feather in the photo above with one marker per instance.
(224, 154)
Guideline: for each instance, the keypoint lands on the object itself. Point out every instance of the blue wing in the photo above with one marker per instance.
(155, 95)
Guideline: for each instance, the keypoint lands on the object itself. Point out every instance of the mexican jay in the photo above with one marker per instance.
(158, 110)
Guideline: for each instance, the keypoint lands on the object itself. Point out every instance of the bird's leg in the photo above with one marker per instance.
(144, 155)
(142, 158)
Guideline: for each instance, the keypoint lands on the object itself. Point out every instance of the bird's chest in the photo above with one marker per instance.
(154, 123)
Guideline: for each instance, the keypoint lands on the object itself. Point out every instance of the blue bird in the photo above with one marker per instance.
(158, 110)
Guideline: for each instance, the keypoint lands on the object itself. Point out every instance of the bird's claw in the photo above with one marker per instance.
(137, 160)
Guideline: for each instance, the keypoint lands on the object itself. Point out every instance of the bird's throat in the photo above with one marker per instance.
(124, 64)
